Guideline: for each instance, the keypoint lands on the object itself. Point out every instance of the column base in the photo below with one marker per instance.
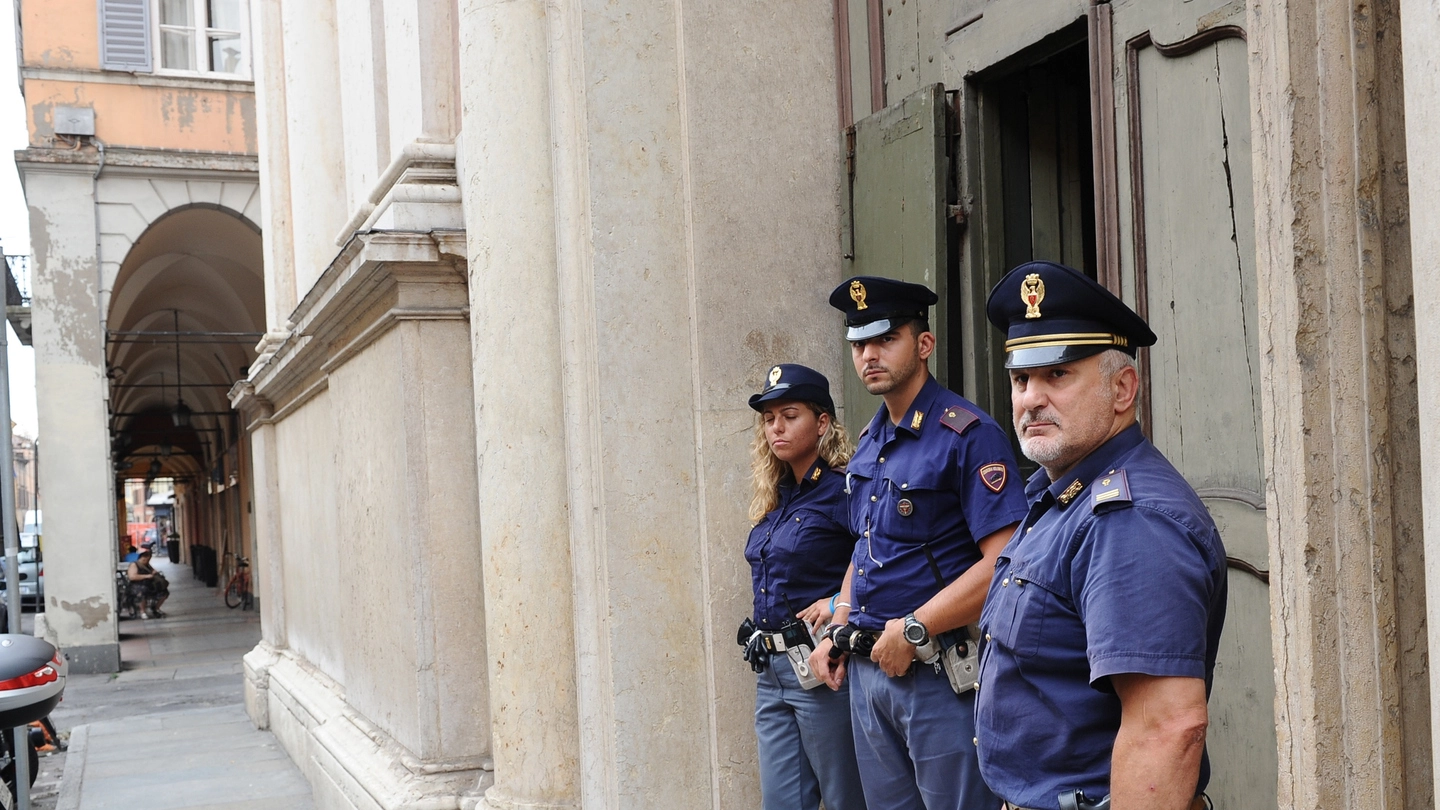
(93, 659)
(349, 763)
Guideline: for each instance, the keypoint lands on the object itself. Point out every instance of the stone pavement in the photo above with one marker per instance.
(170, 729)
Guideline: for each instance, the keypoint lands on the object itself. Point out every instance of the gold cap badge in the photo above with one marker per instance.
(857, 294)
(774, 375)
(1032, 292)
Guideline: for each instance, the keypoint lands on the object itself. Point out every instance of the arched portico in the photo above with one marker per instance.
(186, 309)
(126, 259)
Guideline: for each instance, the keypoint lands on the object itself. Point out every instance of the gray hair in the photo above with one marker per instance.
(1112, 361)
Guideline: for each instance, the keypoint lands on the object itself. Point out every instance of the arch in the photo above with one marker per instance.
(192, 285)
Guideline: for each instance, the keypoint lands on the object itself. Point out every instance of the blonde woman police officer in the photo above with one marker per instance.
(798, 552)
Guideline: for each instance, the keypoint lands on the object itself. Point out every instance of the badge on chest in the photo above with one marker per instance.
(905, 507)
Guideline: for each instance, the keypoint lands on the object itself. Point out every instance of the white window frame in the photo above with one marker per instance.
(200, 37)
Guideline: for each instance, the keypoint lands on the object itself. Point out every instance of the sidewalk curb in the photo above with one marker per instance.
(74, 776)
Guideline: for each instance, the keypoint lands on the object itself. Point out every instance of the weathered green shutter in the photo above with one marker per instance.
(125, 35)
(897, 212)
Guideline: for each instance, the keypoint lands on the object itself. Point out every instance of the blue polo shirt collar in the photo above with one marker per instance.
(790, 487)
(1070, 486)
(916, 417)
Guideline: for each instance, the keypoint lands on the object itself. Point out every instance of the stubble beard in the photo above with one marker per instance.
(1074, 438)
(896, 377)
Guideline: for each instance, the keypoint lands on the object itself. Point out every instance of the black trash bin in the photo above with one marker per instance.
(173, 548)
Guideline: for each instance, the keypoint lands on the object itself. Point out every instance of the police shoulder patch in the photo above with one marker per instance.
(1112, 487)
(958, 419)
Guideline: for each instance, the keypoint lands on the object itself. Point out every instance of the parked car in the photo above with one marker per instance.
(32, 577)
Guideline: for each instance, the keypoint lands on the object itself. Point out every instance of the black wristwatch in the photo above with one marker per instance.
(915, 631)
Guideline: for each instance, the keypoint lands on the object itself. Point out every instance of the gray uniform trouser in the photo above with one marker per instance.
(806, 747)
(914, 740)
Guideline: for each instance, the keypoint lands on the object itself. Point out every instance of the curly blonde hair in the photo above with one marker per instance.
(767, 471)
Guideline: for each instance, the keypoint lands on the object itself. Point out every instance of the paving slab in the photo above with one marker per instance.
(169, 731)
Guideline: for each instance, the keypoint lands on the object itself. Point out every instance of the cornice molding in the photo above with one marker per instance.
(379, 279)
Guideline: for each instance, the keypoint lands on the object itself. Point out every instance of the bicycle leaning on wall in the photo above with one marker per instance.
(237, 590)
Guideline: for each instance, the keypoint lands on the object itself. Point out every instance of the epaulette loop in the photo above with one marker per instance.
(1112, 487)
(958, 419)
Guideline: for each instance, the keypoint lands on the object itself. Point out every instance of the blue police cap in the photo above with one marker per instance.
(1053, 314)
(797, 382)
(874, 305)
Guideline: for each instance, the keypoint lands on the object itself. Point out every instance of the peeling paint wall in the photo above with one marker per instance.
(70, 386)
(151, 117)
(61, 33)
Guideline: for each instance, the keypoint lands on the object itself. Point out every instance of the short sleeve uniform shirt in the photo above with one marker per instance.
(921, 493)
(798, 552)
(1117, 568)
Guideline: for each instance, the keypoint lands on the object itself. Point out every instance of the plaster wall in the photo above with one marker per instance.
(60, 33)
(316, 597)
(144, 116)
(70, 393)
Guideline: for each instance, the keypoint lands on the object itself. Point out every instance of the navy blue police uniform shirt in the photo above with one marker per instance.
(1117, 568)
(801, 548)
(921, 491)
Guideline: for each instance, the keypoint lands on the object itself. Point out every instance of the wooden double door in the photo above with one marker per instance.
(1117, 143)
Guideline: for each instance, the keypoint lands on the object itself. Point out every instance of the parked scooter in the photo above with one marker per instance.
(32, 681)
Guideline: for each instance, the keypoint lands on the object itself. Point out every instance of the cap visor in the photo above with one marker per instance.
(866, 331)
(1050, 355)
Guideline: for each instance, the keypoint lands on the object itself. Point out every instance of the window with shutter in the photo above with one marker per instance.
(125, 35)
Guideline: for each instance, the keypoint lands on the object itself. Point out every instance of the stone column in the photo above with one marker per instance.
(314, 134)
(1421, 28)
(269, 571)
(268, 55)
(519, 407)
(1340, 405)
(70, 386)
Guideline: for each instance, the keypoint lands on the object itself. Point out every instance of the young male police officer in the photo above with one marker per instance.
(934, 496)
(1105, 610)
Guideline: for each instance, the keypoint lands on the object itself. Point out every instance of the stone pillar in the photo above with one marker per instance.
(269, 571)
(268, 56)
(314, 135)
(70, 386)
(697, 238)
(519, 406)
(1421, 28)
(1340, 405)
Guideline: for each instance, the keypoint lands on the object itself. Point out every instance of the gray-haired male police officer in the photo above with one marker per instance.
(933, 497)
(1105, 610)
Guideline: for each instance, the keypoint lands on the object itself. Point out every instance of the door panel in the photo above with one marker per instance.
(897, 206)
(1195, 281)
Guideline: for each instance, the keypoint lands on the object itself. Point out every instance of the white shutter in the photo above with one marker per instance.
(125, 35)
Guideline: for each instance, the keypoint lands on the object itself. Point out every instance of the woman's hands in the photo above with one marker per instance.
(817, 615)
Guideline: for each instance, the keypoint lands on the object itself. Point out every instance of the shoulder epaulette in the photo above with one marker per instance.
(1112, 487)
(958, 419)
